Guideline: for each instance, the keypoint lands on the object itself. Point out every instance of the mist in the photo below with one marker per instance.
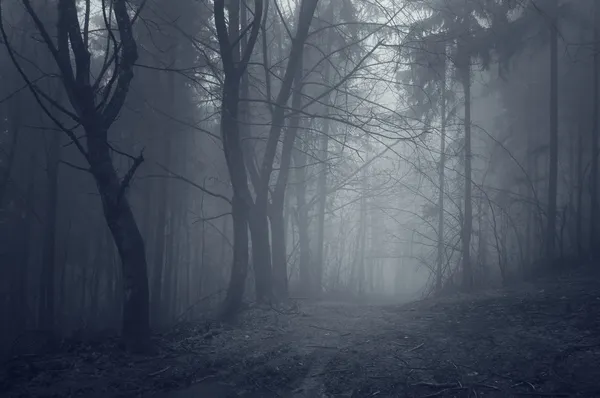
(177, 167)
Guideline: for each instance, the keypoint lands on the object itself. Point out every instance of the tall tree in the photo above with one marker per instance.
(234, 66)
(95, 104)
(595, 133)
(553, 142)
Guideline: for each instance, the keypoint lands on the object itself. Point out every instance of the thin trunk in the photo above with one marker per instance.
(159, 250)
(47, 293)
(468, 215)
(323, 158)
(441, 182)
(278, 247)
(322, 194)
(553, 167)
(302, 220)
(15, 127)
(595, 150)
(580, 179)
(163, 206)
(363, 234)
(21, 306)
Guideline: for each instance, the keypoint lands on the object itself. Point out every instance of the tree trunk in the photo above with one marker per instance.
(159, 255)
(234, 67)
(302, 221)
(261, 251)
(239, 269)
(322, 194)
(468, 216)
(127, 237)
(441, 182)
(14, 128)
(241, 200)
(47, 286)
(363, 234)
(278, 247)
(595, 150)
(163, 205)
(258, 221)
(553, 167)
(580, 180)
(280, 283)
(20, 292)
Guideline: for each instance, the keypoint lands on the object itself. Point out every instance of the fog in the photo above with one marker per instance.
(163, 160)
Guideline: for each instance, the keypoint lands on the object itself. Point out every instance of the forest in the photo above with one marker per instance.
(165, 162)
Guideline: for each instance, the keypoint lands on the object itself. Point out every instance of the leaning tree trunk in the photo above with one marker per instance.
(234, 67)
(280, 281)
(127, 237)
(258, 220)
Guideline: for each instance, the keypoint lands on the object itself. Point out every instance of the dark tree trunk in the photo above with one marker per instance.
(241, 200)
(14, 128)
(279, 260)
(580, 179)
(280, 280)
(553, 166)
(261, 251)
(47, 285)
(71, 53)
(239, 269)
(234, 66)
(595, 149)
(20, 308)
(128, 239)
(159, 257)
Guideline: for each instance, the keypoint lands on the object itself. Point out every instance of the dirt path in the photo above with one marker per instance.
(534, 340)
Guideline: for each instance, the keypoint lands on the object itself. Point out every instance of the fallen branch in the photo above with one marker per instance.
(159, 371)
(416, 348)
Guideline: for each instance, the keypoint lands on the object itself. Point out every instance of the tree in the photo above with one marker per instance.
(95, 104)
(234, 66)
(595, 133)
(553, 159)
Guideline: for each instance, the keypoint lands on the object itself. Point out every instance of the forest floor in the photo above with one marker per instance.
(535, 339)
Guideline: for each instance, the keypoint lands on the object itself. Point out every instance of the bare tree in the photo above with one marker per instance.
(95, 104)
(553, 165)
(234, 67)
